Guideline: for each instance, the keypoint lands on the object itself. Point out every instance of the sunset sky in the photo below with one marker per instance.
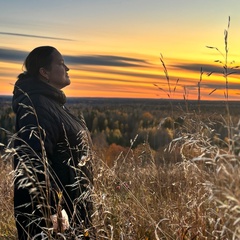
(113, 47)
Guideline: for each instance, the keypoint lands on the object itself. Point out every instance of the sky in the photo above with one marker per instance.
(129, 48)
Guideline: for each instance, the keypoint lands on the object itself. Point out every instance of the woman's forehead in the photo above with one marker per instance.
(57, 56)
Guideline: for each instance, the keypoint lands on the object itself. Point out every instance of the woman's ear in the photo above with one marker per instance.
(43, 72)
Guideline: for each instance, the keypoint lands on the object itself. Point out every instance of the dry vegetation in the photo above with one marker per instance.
(7, 227)
(194, 196)
(188, 189)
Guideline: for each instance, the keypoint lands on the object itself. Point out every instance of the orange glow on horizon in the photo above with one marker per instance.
(136, 82)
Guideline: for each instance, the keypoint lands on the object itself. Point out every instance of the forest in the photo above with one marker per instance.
(119, 121)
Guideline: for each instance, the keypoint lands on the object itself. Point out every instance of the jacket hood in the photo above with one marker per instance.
(25, 87)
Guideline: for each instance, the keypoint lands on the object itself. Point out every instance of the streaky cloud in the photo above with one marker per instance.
(115, 79)
(233, 86)
(12, 55)
(7, 54)
(34, 36)
(106, 60)
(206, 68)
(122, 73)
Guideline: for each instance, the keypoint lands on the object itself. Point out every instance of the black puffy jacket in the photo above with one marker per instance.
(53, 155)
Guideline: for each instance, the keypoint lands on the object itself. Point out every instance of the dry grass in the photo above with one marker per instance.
(135, 198)
(7, 229)
(196, 198)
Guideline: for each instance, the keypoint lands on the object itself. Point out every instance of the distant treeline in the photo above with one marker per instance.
(120, 121)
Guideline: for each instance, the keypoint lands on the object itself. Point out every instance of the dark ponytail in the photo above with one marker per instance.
(24, 75)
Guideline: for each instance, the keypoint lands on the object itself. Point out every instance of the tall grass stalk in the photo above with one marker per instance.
(199, 90)
(227, 70)
(170, 91)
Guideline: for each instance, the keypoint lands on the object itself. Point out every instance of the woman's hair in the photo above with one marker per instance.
(36, 59)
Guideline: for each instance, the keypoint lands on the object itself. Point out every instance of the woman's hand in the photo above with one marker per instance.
(60, 220)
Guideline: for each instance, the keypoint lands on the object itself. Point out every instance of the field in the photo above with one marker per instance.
(163, 169)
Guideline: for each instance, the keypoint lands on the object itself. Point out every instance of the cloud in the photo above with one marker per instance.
(206, 68)
(144, 75)
(115, 79)
(233, 86)
(34, 36)
(12, 55)
(106, 60)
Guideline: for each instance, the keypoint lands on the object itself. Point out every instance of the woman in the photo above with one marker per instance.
(52, 190)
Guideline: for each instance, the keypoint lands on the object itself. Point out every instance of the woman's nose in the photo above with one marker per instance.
(67, 69)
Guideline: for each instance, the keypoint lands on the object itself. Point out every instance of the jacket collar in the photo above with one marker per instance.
(27, 86)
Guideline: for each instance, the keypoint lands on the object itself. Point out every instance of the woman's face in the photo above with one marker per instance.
(58, 74)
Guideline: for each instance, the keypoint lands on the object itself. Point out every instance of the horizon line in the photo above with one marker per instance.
(134, 98)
